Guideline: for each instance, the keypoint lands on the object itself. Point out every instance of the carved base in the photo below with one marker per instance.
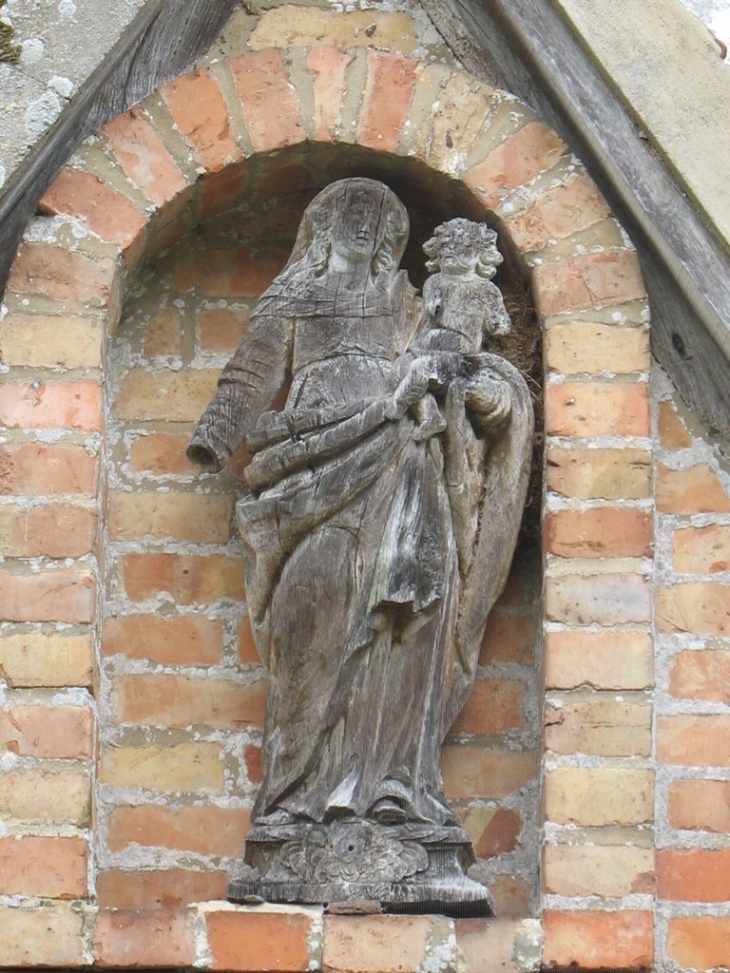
(410, 868)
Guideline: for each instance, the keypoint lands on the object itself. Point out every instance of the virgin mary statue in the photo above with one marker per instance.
(377, 544)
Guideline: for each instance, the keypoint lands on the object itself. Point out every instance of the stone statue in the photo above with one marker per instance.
(382, 510)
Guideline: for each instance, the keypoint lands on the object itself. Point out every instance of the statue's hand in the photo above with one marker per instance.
(488, 402)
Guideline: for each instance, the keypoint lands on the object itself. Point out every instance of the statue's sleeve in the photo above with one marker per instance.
(247, 386)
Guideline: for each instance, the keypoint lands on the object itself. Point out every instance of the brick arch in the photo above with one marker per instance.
(184, 155)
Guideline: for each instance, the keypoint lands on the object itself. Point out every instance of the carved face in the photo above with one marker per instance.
(357, 232)
(463, 247)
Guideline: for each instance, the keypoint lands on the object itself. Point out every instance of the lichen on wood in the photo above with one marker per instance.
(9, 52)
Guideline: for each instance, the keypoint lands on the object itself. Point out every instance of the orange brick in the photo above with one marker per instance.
(201, 830)
(699, 942)
(168, 700)
(601, 599)
(204, 519)
(508, 638)
(65, 595)
(599, 797)
(328, 67)
(189, 578)
(377, 944)
(700, 805)
(143, 156)
(229, 274)
(53, 530)
(604, 870)
(558, 213)
(596, 348)
(608, 474)
(269, 101)
(161, 454)
(162, 937)
(247, 651)
(57, 732)
(40, 795)
(494, 706)
(38, 659)
(693, 491)
(51, 405)
(42, 469)
(200, 113)
(672, 431)
(701, 607)
(591, 280)
(702, 550)
(469, 772)
(189, 640)
(512, 897)
(694, 875)
(219, 190)
(41, 935)
(108, 213)
(515, 162)
(61, 274)
(598, 726)
(388, 93)
(695, 741)
(254, 765)
(493, 831)
(163, 335)
(263, 941)
(600, 532)
(167, 395)
(487, 945)
(51, 341)
(54, 868)
(597, 409)
(701, 675)
(601, 660)
(170, 888)
(221, 329)
(599, 940)
(194, 767)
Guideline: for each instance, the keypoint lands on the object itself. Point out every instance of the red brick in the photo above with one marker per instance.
(221, 329)
(247, 651)
(601, 660)
(55, 732)
(170, 888)
(701, 675)
(702, 608)
(469, 772)
(597, 409)
(65, 595)
(262, 941)
(229, 274)
(700, 805)
(163, 335)
(51, 405)
(694, 875)
(702, 550)
(693, 491)
(200, 113)
(599, 532)
(188, 640)
(328, 67)
(389, 87)
(487, 945)
(169, 700)
(54, 868)
(161, 454)
(33, 469)
(591, 280)
(494, 706)
(515, 162)
(189, 578)
(493, 831)
(695, 741)
(106, 212)
(162, 937)
(220, 190)
(599, 940)
(201, 830)
(144, 157)
(254, 765)
(558, 213)
(376, 944)
(53, 530)
(699, 942)
(61, 274)
(672, 431)
(508, 638)
(601, 599)
(268, 100)
(607, 474)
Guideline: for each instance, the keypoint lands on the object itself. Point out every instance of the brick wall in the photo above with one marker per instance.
(132, 699)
